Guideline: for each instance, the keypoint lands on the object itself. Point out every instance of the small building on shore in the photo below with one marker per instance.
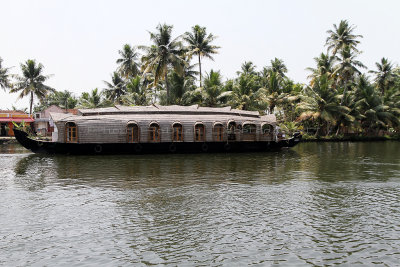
(7, 117)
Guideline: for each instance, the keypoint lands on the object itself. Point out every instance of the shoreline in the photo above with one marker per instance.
(308, 139)
(350, 139)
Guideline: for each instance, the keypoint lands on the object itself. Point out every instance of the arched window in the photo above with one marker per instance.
(71, 133)
(132, 133)
(231, 130)
(154, 132)
(218, 132)
(267, 129)
(199, 132)
(249, 132)
(177, 132)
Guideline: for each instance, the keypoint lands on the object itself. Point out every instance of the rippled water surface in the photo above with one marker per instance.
(316, 204)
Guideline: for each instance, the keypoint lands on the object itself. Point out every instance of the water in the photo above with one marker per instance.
(316, 204)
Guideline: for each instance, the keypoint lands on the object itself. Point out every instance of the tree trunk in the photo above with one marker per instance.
(200, 69)
(31, 103)
(167, 85)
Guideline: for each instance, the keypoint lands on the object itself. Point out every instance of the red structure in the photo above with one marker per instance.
(7, 117)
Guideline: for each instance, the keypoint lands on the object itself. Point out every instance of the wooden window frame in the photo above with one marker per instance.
(70, 128)
(130, 136)
(177, 132)
(218, 132)
(249, 135)
(154, 133)
(231, 133)
(199, 135)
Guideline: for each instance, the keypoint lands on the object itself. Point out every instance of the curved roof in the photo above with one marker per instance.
(157, 109)
(164, 113)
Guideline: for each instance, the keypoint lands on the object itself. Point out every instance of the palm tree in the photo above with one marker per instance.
(375, 114)
(4, 77)
(128, 67)
(273, 94)
(163, 54)
(278, 67)
(213, 91)
(346, 71)
(341, 37)
(324, 66)
(94, 99)
(137, 92)
(199, 43)
(63, 99)
(115, 89)
(321, 103)
(243, 94)
(32, 82)
(385, 75)
(247, 68)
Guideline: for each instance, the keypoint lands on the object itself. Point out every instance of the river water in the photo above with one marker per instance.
(315, 204)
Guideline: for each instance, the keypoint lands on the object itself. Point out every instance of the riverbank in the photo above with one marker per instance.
(352, 138)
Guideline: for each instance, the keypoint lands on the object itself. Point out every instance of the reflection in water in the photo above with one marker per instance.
(317, 204)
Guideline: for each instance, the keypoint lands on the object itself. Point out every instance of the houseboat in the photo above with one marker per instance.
(160, 129)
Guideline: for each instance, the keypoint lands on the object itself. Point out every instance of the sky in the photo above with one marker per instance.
(78, 41)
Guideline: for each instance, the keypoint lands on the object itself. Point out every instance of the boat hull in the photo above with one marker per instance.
(151, 148)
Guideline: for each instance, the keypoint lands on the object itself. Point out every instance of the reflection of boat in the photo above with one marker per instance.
(160, 129)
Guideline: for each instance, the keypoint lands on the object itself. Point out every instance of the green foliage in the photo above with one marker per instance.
(116, 89)
(339, 99)
(128, 65)
(199, 43)
(31, 83)
(164, 53)
(94, 99)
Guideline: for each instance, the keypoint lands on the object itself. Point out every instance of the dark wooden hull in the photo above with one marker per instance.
(150, 148)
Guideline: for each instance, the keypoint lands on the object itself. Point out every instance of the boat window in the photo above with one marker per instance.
(218, 132)
(199, 133)
(132, 133)
(249, 129)
(177, 132)
(267, 129)
(154, 132)
(71, 133)
(249, 132)
(231, 130)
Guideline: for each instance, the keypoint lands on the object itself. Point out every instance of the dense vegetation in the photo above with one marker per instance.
(342, 95)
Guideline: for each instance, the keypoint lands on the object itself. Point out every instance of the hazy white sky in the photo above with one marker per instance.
(78, 41)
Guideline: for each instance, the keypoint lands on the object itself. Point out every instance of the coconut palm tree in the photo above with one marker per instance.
(63, 99)
(324, 64)
(31, 83)
(385, 75)
(164, 53)
(278, 67)
(321, 104)
(115, 89)
(4, 77)
(347, 69)
(375, 114)
(213, 91)
(342, 36)
(128, 66)
(137, 94)
(199, 43)
(243, 92)
(274, 93)
(94, 99)
(247, 68)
